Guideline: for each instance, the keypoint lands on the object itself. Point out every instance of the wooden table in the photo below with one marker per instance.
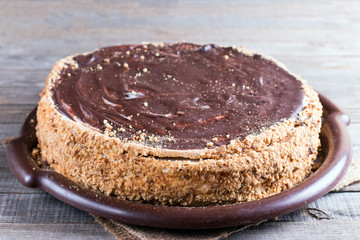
(318, 40)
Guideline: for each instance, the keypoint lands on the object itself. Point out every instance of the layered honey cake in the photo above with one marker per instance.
(178, 124)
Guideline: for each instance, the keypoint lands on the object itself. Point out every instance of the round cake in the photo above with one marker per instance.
(178, 124)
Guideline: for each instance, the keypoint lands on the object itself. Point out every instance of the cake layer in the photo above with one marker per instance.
(177, 96)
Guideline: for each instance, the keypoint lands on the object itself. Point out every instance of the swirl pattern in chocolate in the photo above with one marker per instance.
(177, 96)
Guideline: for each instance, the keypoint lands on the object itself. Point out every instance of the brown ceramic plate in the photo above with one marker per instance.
(336, 148)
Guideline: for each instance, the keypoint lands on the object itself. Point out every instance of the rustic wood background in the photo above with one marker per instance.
(318, 40)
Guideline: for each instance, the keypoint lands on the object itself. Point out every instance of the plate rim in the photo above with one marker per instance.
(333, 168)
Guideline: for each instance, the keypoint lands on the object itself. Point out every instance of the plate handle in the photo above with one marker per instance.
(24, 168)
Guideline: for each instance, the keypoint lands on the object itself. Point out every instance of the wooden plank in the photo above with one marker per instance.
(14, 113)
(320, 8)
(195, 13)
(9, 130)
(67, 231)
(41, 208)
(64, 218)
(306, 31)
(24, 78)
(354, 132)
(3, 163)
(322, 230)
(265, 231)
(116, 15)
(20, 95)
(355, 187)
(226, 36)
(21, 87)
(338, 206)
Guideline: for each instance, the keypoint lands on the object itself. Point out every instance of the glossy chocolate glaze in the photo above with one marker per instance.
(189, 96)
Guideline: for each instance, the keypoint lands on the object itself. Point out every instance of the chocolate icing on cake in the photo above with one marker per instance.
(185, 94)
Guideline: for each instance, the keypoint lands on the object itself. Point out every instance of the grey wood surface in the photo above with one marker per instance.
(318, 40)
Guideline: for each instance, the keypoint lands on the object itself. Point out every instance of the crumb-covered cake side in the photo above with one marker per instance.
(141, 167)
